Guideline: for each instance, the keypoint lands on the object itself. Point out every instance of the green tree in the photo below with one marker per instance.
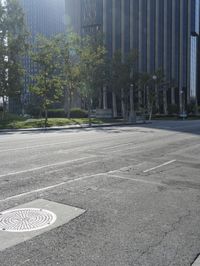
(151, 86)
(47, 83)
(92, 61)
(3, 61)
(13, 44)
(119, 79)
(69, 45)
(123, 80)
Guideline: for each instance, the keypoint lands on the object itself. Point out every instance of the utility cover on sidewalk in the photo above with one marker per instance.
(31, 219)
(26, 219)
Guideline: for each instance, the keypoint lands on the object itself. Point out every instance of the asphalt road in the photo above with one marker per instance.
(139, 185)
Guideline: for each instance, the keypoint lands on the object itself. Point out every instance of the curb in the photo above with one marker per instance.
(83, 126)
(196, 262)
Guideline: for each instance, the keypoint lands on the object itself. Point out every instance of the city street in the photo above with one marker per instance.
(136, 190)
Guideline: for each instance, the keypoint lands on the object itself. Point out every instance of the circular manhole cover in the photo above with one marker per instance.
(26, 219)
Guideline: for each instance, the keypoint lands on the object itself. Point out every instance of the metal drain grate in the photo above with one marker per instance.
(26, 219)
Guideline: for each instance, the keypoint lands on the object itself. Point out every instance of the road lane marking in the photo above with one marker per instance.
(108, 174)
(79, 179)
(50, 187)
(36, 146)
(138, 180)
(125, 168)
(60, 184)
(55, 144)
(159, 166)
(39, 146)
(119, 145)
(32, 191)
(70, 167)
(45, 166)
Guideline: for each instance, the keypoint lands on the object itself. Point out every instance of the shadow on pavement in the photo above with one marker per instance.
(190, 127)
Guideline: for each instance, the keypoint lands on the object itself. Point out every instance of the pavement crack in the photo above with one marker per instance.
(165, 234)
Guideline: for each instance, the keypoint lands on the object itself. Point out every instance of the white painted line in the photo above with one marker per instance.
(75, 180)
(197, 262)
(59, 184)
(33, 191)
(138, 180)
(45, 166)
(80, 165)
(51, 144)
(125, 168)
(116, 146)
(49, 187)
(37, 146)
(159, 166)
(40, 145)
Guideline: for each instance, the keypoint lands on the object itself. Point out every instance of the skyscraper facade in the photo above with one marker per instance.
(42, 17)
(198, 71)
(164, 32)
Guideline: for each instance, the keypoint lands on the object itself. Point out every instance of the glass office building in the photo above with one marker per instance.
(164, 32)
(42, 17)
(46, 17)
(198, 71)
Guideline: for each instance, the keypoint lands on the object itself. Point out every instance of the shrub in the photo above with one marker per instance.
(74, 113)
(191, 108)
(56, 113)
(33, 110)
(78, 113)
(173, 109)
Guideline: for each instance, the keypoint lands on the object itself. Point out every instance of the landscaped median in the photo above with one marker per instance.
(17, 122)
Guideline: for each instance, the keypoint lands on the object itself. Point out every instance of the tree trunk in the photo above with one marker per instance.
(123, 107)
(173, 95)
(105, 104)
(4, 108)
(144, 96)
(181, 106)
(69, 100)
(157, 99)
(132, 116)
(140, 98)
(114, 104)
(65, 101)
(148, 100)
(46, 117)
(100, 99)
(151, 101)
(89, 113)
(150, 112)
(165, 101)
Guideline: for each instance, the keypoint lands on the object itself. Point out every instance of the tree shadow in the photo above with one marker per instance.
(186, 126)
